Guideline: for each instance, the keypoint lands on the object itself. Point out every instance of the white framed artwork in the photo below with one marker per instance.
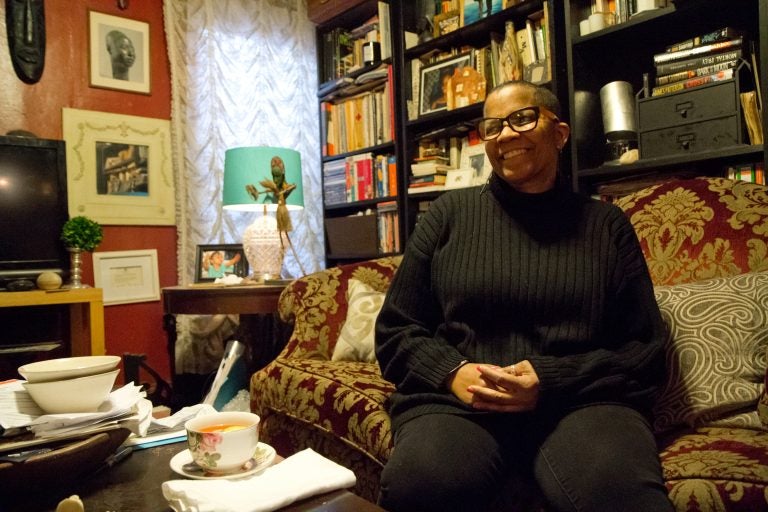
(127, 277)
(473, 157)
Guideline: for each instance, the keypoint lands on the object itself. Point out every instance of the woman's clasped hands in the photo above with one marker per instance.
(488, 387)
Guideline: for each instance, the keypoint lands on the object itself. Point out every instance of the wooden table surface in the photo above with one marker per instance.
(134, 485)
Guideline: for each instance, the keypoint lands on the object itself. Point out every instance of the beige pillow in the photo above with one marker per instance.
(356, 338)
(716, 351)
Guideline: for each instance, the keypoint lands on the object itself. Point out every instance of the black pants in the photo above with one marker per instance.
(599, 458)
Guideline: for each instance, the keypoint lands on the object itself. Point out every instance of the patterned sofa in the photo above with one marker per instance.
(706, 244)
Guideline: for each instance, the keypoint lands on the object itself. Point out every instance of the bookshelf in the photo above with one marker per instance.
(358, 118)
(591, 63)
(451, 128)
(576, 67)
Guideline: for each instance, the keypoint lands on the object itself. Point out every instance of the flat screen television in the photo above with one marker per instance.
(33, 208)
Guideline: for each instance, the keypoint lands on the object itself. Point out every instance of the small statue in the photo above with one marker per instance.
(280, 190)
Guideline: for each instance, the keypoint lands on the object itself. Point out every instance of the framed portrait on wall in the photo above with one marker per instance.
(119, 53)
(434, 83)
(214, 261)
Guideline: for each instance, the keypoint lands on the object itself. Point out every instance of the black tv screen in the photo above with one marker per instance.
(33, 207)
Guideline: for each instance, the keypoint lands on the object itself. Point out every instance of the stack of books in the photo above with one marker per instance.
(428, 174)
(704, 59)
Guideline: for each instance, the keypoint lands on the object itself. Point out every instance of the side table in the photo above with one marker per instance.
(256, 305)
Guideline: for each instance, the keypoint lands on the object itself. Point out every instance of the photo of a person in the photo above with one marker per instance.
(215, 265)
(122, 54)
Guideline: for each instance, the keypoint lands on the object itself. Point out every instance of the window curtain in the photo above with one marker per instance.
(243, 73)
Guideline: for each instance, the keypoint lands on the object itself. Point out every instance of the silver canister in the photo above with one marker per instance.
(618, 104)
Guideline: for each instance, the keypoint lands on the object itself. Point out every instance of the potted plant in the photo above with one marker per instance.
(80, 234)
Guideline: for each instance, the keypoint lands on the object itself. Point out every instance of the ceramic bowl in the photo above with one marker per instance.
(223, 442)
(67, 368)
(81, 394)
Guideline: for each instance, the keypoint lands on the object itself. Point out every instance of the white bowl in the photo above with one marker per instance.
(82, 394)
(67, 368)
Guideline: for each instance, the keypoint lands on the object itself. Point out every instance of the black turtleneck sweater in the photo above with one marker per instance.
(498, 276)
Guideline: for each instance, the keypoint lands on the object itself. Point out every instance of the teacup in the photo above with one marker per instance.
(223, 442)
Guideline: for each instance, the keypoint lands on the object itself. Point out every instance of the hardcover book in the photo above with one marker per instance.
(693, 82)
(697, 62)
(729, 44)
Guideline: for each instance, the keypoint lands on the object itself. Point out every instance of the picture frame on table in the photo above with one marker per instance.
(127, 277)
(434, 81)
(474, 157)
(119, 168)
(119, 53)
(208, 266)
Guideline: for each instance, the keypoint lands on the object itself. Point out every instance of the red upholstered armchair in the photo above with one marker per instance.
(706, 244)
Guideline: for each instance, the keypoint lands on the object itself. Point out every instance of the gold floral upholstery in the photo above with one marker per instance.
(700, 228)
(305, 400)
(690, 230)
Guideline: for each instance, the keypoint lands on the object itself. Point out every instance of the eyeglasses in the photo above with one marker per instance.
(520, 121)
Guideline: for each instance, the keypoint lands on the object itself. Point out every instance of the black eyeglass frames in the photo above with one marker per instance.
(523, 120)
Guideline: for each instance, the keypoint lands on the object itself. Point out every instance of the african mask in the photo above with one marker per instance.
(25, 24)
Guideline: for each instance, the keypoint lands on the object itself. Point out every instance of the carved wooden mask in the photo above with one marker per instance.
(25, 24)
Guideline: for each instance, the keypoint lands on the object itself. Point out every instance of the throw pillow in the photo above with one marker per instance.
(715, 352)
(356, 338)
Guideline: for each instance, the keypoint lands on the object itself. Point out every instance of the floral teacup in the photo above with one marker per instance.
(223, 442)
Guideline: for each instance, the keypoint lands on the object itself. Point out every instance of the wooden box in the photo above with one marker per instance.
(354, 236)
(703, 118)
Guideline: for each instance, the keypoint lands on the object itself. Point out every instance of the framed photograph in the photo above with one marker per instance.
(127, 276)
(475, 10)
(473, 157)
(434, 83)
(218, 261)
(119, 53)
(446, 22)
(119, 168)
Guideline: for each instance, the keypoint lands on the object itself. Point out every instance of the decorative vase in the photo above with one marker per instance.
(75, 268)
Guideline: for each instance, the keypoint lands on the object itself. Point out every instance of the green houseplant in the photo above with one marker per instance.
(80, 234)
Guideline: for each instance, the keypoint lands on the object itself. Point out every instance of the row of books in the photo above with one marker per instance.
(707, 58)
(751, 172)
(360, 121)
(388, 225)
(359, 177)
(342, 49)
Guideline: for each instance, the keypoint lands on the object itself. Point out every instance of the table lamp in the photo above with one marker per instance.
(268, 180)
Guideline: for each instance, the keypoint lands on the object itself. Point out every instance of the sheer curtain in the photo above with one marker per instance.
(243, 73)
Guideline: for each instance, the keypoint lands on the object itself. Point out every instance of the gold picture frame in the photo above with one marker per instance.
(119, 168)
(119, 53)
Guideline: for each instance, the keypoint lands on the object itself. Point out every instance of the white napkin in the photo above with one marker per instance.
(304, 474)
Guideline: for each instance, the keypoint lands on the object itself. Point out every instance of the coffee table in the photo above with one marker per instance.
(134, 485)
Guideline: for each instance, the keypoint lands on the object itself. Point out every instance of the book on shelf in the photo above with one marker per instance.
(430, 179)
(426, 189)
(428, 168)
(751, 172)
(698, 62)
(703, 39)
(692, 73)
(388, 224)
(729, 44)
(660, 90)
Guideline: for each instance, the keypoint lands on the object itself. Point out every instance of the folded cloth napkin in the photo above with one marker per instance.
(304, 474)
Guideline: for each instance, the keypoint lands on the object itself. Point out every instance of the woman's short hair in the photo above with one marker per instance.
(541, 94)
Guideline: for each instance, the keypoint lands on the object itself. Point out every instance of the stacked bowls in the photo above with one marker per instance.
(71, 384)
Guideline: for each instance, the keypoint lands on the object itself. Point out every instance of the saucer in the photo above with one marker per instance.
(264, 456)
